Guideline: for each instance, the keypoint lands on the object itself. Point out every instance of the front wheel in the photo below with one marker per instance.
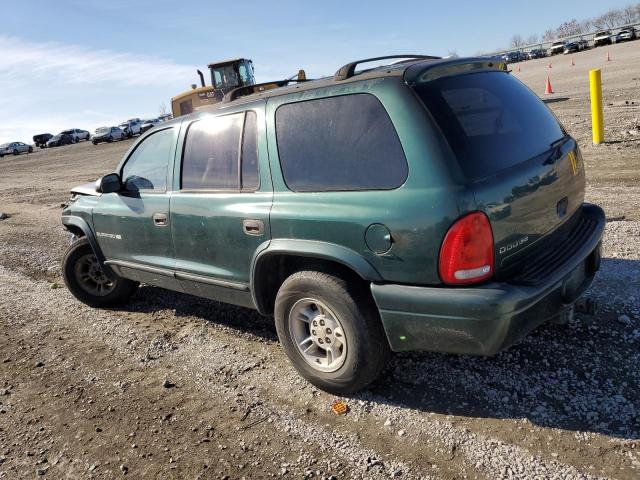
(86, 280)
(331, 332)
(15, 152)
(110, 139)
(30, 149)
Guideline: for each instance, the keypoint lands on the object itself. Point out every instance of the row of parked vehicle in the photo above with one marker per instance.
(604, 37)
(127, 129)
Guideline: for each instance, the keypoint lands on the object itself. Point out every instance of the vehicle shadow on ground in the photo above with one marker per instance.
(151, 299)
(582, 376)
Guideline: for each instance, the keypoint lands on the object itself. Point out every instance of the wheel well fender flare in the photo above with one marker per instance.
(310, 249)
(71, 222)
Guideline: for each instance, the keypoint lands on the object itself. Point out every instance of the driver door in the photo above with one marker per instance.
(133, 226)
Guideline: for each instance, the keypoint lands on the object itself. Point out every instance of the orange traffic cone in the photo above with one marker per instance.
(547, 88)
(608, 57)
(573, 64)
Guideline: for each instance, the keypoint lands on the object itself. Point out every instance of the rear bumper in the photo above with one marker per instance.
(488, 318)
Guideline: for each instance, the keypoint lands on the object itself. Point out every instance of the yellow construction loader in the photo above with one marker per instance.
(234, 77)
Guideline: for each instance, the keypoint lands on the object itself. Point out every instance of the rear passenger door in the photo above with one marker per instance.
(221, 203)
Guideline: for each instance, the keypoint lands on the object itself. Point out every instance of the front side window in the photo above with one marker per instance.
(219, 156)
(146, 168)
(339, 144)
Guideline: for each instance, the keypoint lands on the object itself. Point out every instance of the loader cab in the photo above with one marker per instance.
(225, 76)
(232, 74)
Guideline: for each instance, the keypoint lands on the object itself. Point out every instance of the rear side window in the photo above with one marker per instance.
(219, 156)
(339, 144)
(490, 120)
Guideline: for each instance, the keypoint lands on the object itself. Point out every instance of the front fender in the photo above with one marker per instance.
(77, 222)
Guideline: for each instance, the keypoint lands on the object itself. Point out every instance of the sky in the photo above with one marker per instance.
(88, 63)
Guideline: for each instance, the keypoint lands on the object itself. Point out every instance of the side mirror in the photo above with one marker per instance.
(110, 183)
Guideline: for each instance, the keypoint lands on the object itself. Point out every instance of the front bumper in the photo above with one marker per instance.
(485, 319)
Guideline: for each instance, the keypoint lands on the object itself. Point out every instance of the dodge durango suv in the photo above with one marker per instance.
(426, 204)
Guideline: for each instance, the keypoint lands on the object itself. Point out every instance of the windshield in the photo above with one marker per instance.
(490, 120)
(224, 77)
(56, 137)
(103, 130)
(4, 145)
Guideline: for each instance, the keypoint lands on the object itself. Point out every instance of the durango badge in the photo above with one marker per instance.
(513, 245)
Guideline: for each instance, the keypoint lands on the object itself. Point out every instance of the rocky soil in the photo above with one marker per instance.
(178, 387)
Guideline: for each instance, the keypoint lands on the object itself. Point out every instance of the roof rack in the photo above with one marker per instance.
(258, 87)
(349, 70)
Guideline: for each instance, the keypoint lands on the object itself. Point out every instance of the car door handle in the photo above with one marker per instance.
(253, 227)
(160, 219)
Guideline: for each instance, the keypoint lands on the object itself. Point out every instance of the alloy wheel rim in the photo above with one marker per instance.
(91, 277)
(318, 334)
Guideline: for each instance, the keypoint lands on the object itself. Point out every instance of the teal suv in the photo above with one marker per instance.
(426, 204)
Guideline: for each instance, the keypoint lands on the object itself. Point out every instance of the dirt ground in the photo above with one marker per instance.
(178, 387)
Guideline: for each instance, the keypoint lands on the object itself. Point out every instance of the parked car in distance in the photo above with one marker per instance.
(537, 53)
(149, 124)
(556, 48)
(602, 37)
(76, 134)
(577, 46)
(15, 148)
(131, 127)
(430, 204)
(514, 57)
(626, 34)
(41, 139)
(107, 134)
(60, 139)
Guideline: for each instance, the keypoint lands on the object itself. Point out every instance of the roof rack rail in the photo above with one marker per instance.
(259, 87)
(349, 70)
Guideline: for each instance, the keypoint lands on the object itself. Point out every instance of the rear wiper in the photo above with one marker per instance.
(555, 150)
(559, 142)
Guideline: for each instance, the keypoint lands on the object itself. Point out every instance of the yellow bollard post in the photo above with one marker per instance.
(597, 116)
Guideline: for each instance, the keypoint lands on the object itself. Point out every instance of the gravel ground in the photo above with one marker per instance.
(178, 387)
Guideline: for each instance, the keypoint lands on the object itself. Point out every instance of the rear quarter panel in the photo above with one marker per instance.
(418, 213)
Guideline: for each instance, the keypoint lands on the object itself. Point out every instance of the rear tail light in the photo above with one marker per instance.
(466, 254)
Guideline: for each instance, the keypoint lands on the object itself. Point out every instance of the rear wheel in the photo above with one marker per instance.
(86, 280)
(30, 149)
(330, 331)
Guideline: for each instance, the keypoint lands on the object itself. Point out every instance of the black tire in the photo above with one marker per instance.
(119, 292)
(30, 149)
(109, 139)
(367, 349)
(95, 143)
(15, 152)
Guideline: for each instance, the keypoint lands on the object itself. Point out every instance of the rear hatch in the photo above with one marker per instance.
(525, 172)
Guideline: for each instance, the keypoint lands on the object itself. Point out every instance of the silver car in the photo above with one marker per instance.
(107, 134)
(15, 148)
(77, 134)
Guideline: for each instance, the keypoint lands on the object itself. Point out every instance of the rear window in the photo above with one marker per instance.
(342, 143)
(490, 120)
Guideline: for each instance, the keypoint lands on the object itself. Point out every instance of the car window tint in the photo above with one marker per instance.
(339, 144)
(250, 177)
(210, 159)
(490, 120)
(146, 168)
